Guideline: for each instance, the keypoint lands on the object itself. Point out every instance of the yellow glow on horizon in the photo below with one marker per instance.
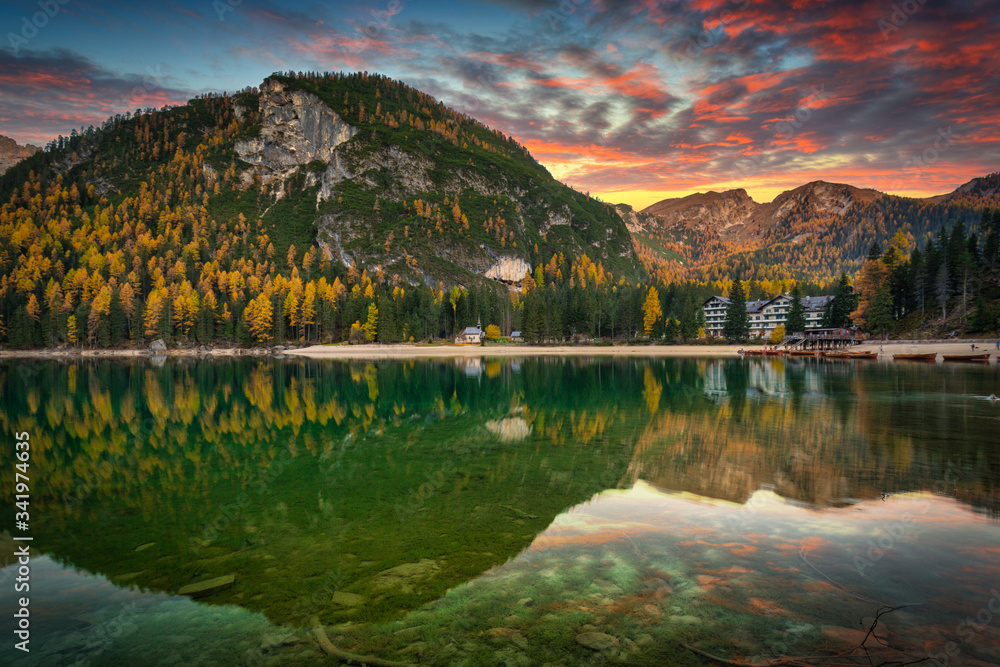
(640, 199)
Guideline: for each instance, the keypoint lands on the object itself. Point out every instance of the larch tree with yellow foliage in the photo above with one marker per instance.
(154, 313)
(651, 311)
(308, 314)
(259, 318)
(371, 326)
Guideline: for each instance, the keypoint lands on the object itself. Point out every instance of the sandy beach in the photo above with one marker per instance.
(439, 351)
(407, 351)
(894, 347)
(48, 353)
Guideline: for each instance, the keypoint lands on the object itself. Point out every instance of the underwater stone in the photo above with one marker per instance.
(347, 599)
(685, 620)
(507, 634)
(417, 647)
(596, 641)
(405, 575)
(207, 587)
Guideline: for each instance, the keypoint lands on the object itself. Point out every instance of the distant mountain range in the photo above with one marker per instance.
(378, 174)
(818, 229)
(11, 153)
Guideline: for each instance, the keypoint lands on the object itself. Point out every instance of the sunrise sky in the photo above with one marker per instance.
(632, 100)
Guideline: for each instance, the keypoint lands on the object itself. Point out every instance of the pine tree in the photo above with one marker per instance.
(796, 320)
(687, 325)
(670, 330)
(957, 259)
(737, 326)
(843, 303)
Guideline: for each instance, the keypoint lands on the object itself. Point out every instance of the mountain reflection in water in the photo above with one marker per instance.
(427, 513)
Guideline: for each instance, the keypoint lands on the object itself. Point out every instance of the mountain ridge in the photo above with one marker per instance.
(818, 229)
(395, 156)
(11, 153)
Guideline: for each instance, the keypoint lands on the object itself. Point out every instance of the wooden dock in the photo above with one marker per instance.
(823, 340)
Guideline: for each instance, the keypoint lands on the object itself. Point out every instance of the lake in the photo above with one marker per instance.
(503, 512)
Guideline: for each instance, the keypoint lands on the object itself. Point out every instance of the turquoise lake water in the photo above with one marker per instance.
(504, 512)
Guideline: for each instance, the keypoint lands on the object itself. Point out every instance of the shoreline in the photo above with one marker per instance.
(452, 351)
(412, 351)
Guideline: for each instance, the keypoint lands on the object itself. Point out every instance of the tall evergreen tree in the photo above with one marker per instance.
(958, 260)
(737, 326)
(838, 313)
(796, 321)
(932, 267)
(689, 319)
(915, 288)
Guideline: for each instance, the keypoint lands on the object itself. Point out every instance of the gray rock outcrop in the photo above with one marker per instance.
(11, 153)
(296, 128)
(508, 269)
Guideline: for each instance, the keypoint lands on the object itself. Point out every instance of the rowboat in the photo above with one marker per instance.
(836, 355)
(928, 356)
(864, 355)
(753, 353)
(773, 353)
(975, 358)
(802, 353)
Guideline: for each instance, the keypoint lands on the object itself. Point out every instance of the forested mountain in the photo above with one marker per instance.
(948, 285)
(301, 209)
(328, 207)
(816, 231)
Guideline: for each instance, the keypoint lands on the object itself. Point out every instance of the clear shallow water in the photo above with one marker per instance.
(497, 512)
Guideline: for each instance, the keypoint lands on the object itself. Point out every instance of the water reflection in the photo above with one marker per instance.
(369, 494)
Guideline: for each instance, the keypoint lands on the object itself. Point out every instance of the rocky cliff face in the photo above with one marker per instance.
(378, 176)
(635, 222)
(508, 269)
(983, 191)
(11, 153)
(296, 129)
(735, 216)
(723, 213)
(817, 199)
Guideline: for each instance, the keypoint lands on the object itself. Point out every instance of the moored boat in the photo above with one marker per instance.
(863, 355)
(836, 355)
(975, 358)
(923, 356)
(802, 353)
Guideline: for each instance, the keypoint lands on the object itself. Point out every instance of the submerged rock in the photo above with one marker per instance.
(347, 599)
(406, 575)
(510, 429)
(596, 641)
(208, 587)
(507, 634)
(685, 620)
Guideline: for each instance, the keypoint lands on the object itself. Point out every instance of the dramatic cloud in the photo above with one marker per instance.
(61, 89)
(633, 100)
